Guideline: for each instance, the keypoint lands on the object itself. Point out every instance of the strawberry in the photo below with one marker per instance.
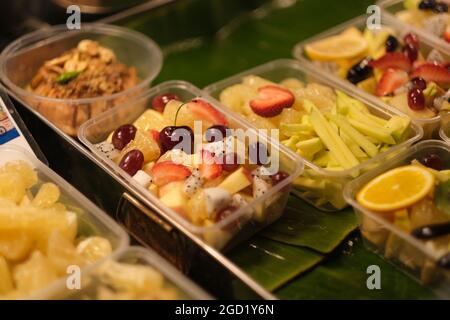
(207, 112)
(432, 72)
(391, 80)
(396, 60)
(209, 168)
(272, 100)
(168, 171)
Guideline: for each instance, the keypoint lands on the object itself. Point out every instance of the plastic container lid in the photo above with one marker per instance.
(89, 215)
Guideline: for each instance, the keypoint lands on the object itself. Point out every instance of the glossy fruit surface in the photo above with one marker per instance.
(132, 162)
(160, 101)
(123, 135)
(177, 137)
(216, 133)
(433, 161)
(416, 99)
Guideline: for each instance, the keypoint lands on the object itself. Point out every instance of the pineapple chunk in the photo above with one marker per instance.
(6, 282)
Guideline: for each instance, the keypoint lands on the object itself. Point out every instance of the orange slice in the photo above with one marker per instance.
(343, 46)
(396, 189)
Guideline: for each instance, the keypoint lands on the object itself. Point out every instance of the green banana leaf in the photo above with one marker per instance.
(271, 263)
(344, 276)
(303, 225)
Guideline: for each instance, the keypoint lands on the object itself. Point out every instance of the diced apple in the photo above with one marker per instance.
(175, 198)
(237, 181)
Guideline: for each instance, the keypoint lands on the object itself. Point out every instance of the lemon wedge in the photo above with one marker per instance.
(344, 46)
(396, 189)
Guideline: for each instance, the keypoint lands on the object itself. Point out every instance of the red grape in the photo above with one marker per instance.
(230, 162)
(216, 132)
(132, 162)
(160, 101)
(419, 83)
(432, 161)
(411, 52)
(180, 137)
(416, 99)
(412, 39)
(123, 135)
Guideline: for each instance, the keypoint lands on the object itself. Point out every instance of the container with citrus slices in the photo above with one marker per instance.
(391, 64)
(48, 230)
(404, 210)
(338, 133)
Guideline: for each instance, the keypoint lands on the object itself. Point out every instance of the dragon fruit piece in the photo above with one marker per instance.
(260, 187)
(262, 173)
(193, 183)
(107, 149)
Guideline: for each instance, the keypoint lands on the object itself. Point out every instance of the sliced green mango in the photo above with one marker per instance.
(377, 132)
(310, 146)
(355, 135)
(398, 127)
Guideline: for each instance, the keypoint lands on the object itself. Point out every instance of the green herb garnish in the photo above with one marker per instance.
(68, 76)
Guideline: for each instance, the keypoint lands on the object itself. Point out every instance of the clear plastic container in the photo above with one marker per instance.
(445, 129)
(410, 254)
(390, 8)
(238, 225)
(174, 281)
(91, 220)
(21, 59)
(431, 125)
(316, 182)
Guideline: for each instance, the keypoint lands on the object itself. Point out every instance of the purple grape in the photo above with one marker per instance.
(216, 133)
(416, 99)
(132, 162)
(432, 161)
(123, 135)
(391, 44)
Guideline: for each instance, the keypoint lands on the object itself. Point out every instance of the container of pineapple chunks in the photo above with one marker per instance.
(339, 133)
(404, 212)
(221, 203)
(384, 65)
(432, 19)
(48, 230)
(136, 274)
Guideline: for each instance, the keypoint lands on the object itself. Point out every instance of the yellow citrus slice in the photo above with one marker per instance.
(396, 189)
(343, 46)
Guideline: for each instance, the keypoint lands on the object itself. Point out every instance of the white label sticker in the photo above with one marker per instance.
(10, 133)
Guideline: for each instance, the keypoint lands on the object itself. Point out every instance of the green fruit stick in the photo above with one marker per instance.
(355, 135)
(352, 145)
(375, 132)
(290, 129)
(331, 139)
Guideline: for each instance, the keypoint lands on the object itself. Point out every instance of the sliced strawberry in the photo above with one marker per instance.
(272, 100)
(168, 171)
(391, 80)
(155, 135)
(432, 72)
(396, 60)
(209, 168)
(207, 112)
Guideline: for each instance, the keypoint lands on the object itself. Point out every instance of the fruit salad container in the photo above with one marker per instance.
(136, 274)
(69, 76)
(445, 129)
(54, 231)
(409, 228)
(394, 65)
(220, 202)
(323, 180)
(430, 18)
